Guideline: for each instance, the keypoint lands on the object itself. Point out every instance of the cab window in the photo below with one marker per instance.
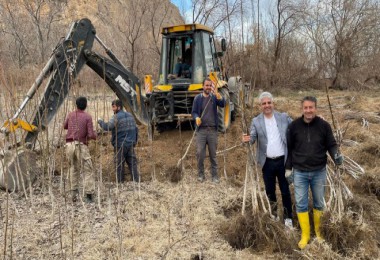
(209, 62)
(180, 57)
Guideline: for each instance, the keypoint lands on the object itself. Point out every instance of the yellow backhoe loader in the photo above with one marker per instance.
(188, 55)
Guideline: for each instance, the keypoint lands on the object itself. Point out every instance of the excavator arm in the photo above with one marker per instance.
(63, 67)
(123, 82)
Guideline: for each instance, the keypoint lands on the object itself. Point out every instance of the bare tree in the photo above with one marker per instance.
(31, 19)
(11, 26)
(345, 35)
(128, 31)
(136, 35)
(157, 20)
(285, 21)
(214, 12)
(134, 29)
(353, 22)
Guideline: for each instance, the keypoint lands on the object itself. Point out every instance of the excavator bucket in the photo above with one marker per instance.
(18, 169)
(12, 125)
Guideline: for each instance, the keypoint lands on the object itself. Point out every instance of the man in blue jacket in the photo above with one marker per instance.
(206, 118)
(124, 138)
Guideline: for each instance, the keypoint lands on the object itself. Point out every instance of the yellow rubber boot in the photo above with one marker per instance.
(317, 214)
(303, 219)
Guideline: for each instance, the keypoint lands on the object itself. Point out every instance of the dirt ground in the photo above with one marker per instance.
(170, 215)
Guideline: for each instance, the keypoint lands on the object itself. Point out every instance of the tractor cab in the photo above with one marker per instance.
(188, 55)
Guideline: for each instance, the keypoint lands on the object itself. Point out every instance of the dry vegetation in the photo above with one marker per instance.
(169, 215)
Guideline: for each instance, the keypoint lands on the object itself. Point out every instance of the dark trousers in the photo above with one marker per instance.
(207, 137)
(275, 169)
(126, 154)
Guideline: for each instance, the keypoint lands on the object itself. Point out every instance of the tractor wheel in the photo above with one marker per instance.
(224, 113)
(235, 86)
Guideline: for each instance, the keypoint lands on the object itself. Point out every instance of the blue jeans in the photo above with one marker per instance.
(317, 181)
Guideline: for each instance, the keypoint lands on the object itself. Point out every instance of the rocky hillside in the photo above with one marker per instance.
(131, 28)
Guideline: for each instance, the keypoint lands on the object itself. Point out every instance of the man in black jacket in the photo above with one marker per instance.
(309, 138)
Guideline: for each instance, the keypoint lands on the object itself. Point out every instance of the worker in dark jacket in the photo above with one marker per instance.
(309, 138)
(124, 138)
(206, 118)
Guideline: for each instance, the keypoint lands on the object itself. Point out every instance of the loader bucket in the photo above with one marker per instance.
(18, 169)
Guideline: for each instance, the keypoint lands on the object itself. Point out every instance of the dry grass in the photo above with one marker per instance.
(169, 215)
(260, 233)
(351, 236)
(369, 185)
(171, 221)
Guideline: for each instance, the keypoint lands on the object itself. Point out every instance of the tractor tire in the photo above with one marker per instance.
(224, 113)
(235, 86)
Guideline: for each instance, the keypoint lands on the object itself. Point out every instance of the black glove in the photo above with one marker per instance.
(338, 158)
